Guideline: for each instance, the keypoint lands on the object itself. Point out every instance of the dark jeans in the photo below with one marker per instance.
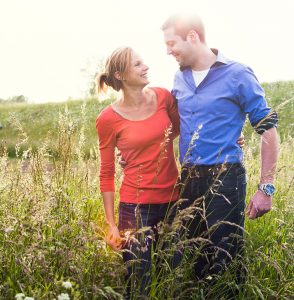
(138, 249)
(218, 197)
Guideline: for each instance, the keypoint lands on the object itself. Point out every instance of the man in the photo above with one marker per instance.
(214, 96)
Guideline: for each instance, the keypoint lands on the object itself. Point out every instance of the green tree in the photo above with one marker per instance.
(17, 99)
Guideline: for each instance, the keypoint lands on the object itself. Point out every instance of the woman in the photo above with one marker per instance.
(142, 125)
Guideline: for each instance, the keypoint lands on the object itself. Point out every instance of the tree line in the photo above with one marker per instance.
(14, 99)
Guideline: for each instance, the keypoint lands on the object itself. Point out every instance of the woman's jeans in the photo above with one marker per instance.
(137, 253)
(217, 195)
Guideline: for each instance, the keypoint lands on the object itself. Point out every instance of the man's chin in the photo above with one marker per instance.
(183, 66)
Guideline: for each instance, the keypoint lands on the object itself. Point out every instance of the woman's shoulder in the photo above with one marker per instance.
(105, 113)
(160, 90)
(105, 117)
(164, 96)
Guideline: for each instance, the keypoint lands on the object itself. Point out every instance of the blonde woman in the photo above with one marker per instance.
(141, 125)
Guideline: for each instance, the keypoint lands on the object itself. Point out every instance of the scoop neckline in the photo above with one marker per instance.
(149, 117)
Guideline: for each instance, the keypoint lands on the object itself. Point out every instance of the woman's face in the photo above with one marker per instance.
(137, 72)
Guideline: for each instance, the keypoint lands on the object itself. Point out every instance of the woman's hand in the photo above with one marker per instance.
(241, 140)
(113, 238)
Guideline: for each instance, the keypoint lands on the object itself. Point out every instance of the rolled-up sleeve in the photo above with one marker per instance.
(107, 143)
(251, 96)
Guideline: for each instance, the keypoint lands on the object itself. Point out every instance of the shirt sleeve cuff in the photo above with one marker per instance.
(269, 121)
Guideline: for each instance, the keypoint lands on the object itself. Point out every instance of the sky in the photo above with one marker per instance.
(50, 49)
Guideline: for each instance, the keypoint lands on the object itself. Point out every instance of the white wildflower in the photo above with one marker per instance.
(19, 296)
(28, 298)
(67, 284)
(8, 230)
(63, 296)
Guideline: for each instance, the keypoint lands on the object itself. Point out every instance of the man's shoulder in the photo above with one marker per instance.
(237, 66)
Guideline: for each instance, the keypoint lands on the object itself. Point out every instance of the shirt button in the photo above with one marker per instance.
(193, 113)
(192, 133)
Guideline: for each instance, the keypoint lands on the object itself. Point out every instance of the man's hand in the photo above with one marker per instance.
(113, 238)
(258, 205)
(241, 140)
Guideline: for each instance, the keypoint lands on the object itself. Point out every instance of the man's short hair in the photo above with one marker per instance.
(183, 23)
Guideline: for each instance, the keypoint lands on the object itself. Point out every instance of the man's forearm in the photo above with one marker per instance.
(269, 155)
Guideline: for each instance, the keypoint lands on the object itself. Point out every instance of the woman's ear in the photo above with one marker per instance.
(117, 75)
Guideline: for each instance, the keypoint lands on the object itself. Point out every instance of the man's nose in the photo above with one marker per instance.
(168, 51)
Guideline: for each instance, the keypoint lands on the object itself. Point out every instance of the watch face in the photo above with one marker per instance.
(269, 189)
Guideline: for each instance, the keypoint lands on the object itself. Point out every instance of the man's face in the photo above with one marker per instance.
(177, 47)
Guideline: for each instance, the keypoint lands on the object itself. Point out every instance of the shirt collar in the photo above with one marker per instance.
(220, 58)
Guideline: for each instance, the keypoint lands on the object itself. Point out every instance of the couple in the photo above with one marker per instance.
(210, 100)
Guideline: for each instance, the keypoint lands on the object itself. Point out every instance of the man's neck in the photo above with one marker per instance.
(205, 59)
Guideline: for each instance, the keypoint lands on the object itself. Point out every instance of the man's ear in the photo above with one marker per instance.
(192, 36)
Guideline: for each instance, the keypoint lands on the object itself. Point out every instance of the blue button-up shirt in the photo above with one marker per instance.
(212, 114)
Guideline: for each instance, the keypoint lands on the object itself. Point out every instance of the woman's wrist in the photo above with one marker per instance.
(111, 224)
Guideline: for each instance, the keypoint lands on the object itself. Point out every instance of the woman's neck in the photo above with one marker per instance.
(133, 97)
(138, 104)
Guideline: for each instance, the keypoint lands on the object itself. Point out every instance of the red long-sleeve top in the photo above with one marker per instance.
(147, 146)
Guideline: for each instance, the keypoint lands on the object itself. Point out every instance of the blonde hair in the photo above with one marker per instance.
(117, 62)
(183, 23)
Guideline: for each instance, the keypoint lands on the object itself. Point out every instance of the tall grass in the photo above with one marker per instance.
(52, 224)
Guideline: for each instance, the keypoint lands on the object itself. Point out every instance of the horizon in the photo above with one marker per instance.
(50, 50)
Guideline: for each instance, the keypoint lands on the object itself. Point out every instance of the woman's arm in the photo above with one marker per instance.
(172, 110)
(107, 143)
(113, 238)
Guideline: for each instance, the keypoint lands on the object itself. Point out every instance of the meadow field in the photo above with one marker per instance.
(52, 220)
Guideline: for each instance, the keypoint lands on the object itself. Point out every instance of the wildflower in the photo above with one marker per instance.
(8, 230)
(67, 284)
(28, 298)
(63, 296)
(19, 296)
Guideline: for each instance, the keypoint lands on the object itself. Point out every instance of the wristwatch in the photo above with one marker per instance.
(267, 188)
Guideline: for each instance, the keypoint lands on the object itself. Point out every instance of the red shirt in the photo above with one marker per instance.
(147, 146)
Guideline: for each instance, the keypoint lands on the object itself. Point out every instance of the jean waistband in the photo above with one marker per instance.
(156, 205)
(208, 170)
